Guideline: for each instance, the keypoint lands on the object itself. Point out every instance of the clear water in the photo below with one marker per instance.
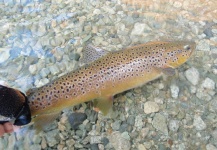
(41, 40)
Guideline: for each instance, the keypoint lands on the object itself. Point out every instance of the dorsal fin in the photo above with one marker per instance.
(91, 53)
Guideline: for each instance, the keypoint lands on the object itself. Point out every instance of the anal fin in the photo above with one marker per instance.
(41, 121)
(103, 104)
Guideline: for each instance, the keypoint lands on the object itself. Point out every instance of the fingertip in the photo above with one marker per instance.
(8, 127)
(2, 130)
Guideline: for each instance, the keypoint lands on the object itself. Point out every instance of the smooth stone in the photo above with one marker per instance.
(159, 123)
(33, 69)
(151, 107)
(208, 84)
(123, 127)
(44, 72)
(54, 69)
(192, 75)
(118, 142)
(208, 33)
(75, 119)
(70, 143)
(94, 147)
(52, 137)
(105, 141)
(199, 123)
(125, 135)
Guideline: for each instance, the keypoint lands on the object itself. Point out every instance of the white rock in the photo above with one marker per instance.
(208, 84)
(210, 147)
(192, 75)
(174, 91)
(33, 69)
(4, 54)
(118, 142)
(141, 147)
(139, 28)
(97, 11)
(54, 69)
(199, 123)
(174, 125)
(150, 107)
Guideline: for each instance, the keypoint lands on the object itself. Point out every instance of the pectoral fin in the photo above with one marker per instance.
(103, 104)
(168, 71)
(41, 121)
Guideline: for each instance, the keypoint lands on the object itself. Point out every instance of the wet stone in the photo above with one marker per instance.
(173, 125)
(105, 141)
(192, 75)
(150, 107)
(118, 142)
(123, 127)
(208, 84)
(159, 123)
(199, 123)
(116, 125)
(131, 120)
(174, 91)
(94, 147)
(75, 119)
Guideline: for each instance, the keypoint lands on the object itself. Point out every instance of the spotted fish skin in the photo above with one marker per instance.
(109, 75)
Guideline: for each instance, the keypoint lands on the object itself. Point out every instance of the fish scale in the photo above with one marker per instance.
(112, 73)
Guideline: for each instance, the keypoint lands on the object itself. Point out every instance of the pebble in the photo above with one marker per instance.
(52, 138)
(125, 135)
(54, 69)
(33, 69)
(173, 125)
(151, 107)
(139, 29)
(4, 55)
(141, 147)
(75, 119)
(118, 142)
(174, 89)
(199, 123)
(116, 125)
(192, 75)
(208, 84)
(139, 122)
(210, 147)
(203, 45)
(159, 123)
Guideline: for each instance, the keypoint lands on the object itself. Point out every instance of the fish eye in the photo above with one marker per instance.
(187, 47)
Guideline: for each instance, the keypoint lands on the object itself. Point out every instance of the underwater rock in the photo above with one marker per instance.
(75, 119)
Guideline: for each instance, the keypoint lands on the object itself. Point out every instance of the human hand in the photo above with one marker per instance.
(7, 128)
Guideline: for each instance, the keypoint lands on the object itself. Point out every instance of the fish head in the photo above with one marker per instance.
(13, 106)
(177, 53)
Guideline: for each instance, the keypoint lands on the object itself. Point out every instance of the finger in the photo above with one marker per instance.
(8, 127)
(2, 130)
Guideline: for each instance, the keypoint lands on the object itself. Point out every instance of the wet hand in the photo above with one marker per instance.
(7, 128)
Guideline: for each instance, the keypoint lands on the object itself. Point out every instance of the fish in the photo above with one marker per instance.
(105, 74)
(14, 107)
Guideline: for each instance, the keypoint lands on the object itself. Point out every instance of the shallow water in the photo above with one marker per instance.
(42, 40)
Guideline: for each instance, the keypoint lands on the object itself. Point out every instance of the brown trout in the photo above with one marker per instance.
(107, 74)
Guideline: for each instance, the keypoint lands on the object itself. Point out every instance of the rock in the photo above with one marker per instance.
(208, 84)
(151, 107)
(75, 119)
(116, 125)
(141, 147)
(139, 122)
(54, 69)
(159, 123)
(105, 141)
(139, 28)
(174, 125)
(94, 147)
(4, 54)
(44, 72)
(210, 147)
(33, 69)
(131, 120)
(118, 142)
(95, 139)
(203, 45)
(144, 132)
(125, 135)
(123, 127)
(192, 75)
(52, 137)
(70, 143)
(199, 123)
(174, 91)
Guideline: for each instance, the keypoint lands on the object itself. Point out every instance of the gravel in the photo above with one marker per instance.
(43, 40)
